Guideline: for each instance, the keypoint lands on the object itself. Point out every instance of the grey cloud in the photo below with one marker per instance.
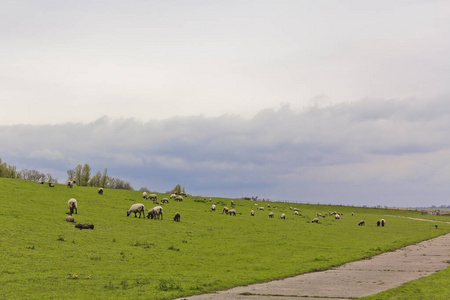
(343, 150)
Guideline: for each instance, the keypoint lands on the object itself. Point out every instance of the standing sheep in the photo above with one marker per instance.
(158, 212)
(225, 210)
(173, 196)
(213, 207)
(232, 212)
(271, 214)
(382, 222)
(70, 183)
(296, 213)
(137, 208)
(144, 195)
(337, 216)
(179, 198)
(100, 191)
(177, 217)
(252, 213)
(283, 216)
(315, 220)
(361, 223)
(165, 200)
(152, 197)
(73, 205)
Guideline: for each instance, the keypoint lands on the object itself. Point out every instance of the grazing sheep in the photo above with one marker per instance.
(232, 202)
(165, 200)
(40, 182)
(151, 213)
(252, 213)
(152, 197)
(225, 210)
(179, 198)
(382, 222)
(51, 184)
(137, 208)
(318, 215)
(378, 223)
(271, 214)
(232, 212)
(283, 216)
(296, 209)
(73, 205)
(268, 205)
(84, 226)
(296, 213)
(69, 218)
(144, 195)
(213, 207)
(315, 220)
(361, 223)
(158, 212)
(337, 216)
(70, 183)
(177, 217)
(100, 191)
(261, 208)
(173, 196)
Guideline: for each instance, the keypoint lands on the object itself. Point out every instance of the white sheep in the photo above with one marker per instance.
(177, 217)
(100, 191)
(261, 208)
(152, 197)
(271, 214)
(73, 205)
(213, 207)
(252, 212)
(315, 220)
(173, 196)
(232, 212)
(296, 213)
(225, 210)
(136, 208)
(179, 198)
(158, 212)
(283, 216)
(165, 200)
(69, 218)
(337, 216)
(70, 183)
(382, 221)
(144, 195)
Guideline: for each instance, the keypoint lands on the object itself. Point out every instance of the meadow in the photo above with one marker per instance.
(42, 256)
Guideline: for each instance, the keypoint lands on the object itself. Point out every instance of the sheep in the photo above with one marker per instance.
(70, 183)
(315, 220)
(225, 210)
(213, 207)
(152, 197)
(173, 196)
(296, 209)
(144, 195)
(84, 226)
(179, 198)
(337, 216)
(268, 205)
(177, 217)
(165, 200)
(40, 182)
(382, 221)
(296, 213)
(232, 212)
(73, 205)
(378, 223)
(232, 202)
(271, 214)
(252, 213)
(361, 223)
(137, 208)
(100, 191)
(158, 212)
(51, 184)
(283, 216)
(261, 208)
(69, 218)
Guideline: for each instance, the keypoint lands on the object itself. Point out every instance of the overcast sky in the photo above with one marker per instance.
(342, 102)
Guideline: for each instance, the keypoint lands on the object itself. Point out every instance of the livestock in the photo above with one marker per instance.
(232, 212)
(361, 223)
(296, 213)
(173, 196)
(268, 205)
(252, 213)
(152, 197)
(51, 184)
(213, 207)
(382, 221)
(73, 205)
(164, 200)
(177, 217)
(100, 191)
(225, 210)
(155, 212)
(84, 226)
(283, 216)
(271, 214)
(261, 208)
(378, 223)
(137, 208)
(179, 198)
(337, 216)
(232, 202)
(144, 195)
(315, 220)
(69, 218)
(40, 182)
(70, 183)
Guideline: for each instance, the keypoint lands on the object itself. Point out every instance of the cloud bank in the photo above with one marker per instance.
(369, 152)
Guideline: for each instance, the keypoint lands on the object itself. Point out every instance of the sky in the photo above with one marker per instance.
(341, 102)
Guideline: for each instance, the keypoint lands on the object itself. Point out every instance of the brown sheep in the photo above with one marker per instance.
(84, 226)
(69, 218)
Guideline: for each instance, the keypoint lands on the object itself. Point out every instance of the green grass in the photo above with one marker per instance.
(126, 257)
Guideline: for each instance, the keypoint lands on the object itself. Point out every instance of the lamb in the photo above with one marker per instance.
(382, 221)
(73, 205)
(70, 183)
(315, 220)
(177, 217)
(213, 207)
(271, 214)
(137, 208)
(84, 226)
(69, 218)
(232, 212)
(283, 216)
(252, 213)
(144, 195)
(225, 210)
(361, 223)
(100, 191)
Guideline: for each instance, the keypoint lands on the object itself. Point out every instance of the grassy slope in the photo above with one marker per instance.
(127, 257)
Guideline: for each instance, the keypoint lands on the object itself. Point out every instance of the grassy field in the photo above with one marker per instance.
(42, 256)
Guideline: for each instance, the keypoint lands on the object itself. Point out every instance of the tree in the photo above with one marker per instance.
(77, 172)
(95, 180)
(85, 175)
(104, 179)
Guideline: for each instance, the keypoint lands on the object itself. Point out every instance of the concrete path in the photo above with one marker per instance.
(355, 279)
